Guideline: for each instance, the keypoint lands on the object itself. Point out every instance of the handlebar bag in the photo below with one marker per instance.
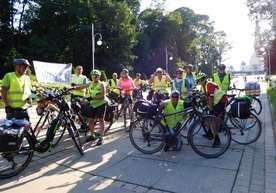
(11, 138)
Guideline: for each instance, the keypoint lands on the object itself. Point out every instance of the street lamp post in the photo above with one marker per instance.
(99, 42)
(169, 56)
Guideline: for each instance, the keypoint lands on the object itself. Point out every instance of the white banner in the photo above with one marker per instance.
(52, 72)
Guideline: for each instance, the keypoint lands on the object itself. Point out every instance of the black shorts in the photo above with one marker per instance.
(98, 111)
(219, 109)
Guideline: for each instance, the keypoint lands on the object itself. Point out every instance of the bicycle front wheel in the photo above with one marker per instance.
(146, 136)
(59, 130)
(245, 131)
(204, 144)
(13, 163)
(74, 134)
(128, 117)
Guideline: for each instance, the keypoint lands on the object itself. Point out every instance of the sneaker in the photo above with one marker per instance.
(216, 142)
(100, 141)
(209, 135)
(166, 148)
(90, 138)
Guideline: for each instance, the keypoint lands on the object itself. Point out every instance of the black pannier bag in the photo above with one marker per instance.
(11, 138)
(241, 108)
(144, 109)
(109, 113)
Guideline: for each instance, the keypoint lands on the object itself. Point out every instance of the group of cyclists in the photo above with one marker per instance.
(16, 91)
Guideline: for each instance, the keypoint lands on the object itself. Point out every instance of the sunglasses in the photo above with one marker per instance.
(175, 97)
(221, 69)
(199, 80)
(179, 73)
(123, 73)
(95, 76)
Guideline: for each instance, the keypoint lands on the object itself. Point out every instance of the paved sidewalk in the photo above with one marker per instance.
(117, 167)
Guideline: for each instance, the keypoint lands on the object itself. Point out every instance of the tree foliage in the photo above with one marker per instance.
(60, 31)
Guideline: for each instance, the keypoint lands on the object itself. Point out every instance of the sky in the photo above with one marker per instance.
(229, 16)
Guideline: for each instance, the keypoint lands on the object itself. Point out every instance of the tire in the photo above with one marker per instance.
(245, 131)
(146, 136)
(128, 117)
(202, 145)
(13, 163)
(74, 134)
(59, 131)
(257, 105)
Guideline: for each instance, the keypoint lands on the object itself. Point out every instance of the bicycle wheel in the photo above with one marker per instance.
(146, 136)
(59, 129)
(257, 105)
(46, 118)
(204, 146)
(128, 117)
(244, 131)
(13, 163)
(74, 134)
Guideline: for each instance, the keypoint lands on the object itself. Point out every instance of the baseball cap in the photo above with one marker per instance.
(174, 92)
(159, 70)
(79, 67)
(114, 74)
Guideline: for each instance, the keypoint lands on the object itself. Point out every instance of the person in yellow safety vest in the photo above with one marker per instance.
(216, 100)
(222, 78)
(170, 106)
(137, 81)
(181, 84)
(98, 101)
(79, 79)
(160, 80)
(16, 88)
(113, 82)
(190, 76)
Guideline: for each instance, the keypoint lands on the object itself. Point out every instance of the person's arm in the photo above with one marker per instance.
(82, 86)
(4, 95)
(151, 80)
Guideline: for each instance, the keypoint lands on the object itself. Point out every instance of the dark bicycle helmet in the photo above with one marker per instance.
(189, 66)
(221, 66)
(179, 70)
(125, 70)
(21, 61)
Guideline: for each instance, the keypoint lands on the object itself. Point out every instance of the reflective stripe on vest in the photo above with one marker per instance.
(225, 82)
(160, 85)
(19, 90)
(96, 91)
(173, 119)
(80, 82)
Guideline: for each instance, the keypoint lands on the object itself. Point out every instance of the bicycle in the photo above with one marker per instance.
(17, 151)
(124, 109)
(149, 136)
(244, 130)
